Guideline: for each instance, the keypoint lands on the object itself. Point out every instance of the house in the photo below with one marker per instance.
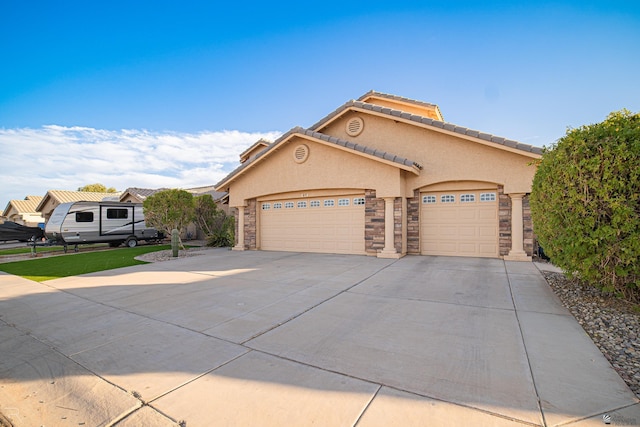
(55, 197)
(386, 176)
(24, 212)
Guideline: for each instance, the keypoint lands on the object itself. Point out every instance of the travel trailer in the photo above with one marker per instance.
(100, 222)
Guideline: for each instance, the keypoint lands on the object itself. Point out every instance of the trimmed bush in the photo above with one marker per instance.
(585, 204)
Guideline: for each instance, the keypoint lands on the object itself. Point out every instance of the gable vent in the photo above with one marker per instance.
(355, 126)
(301, 153)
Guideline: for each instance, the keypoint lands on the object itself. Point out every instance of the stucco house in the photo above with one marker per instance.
(24, 212)
(385, 176)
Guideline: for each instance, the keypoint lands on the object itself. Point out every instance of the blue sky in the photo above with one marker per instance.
(80, 78)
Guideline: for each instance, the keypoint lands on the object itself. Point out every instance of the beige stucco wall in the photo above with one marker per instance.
(443, 157)
(419, 110)
(327, 167)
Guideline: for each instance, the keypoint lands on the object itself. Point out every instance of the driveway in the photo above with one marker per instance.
(276, 338)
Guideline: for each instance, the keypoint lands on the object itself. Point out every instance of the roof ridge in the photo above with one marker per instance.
(397, 98)
(450, 127)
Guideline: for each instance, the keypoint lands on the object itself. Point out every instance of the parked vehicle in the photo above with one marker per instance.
(12, 231)
(100, 222)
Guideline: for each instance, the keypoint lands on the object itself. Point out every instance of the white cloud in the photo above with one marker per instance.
(65, 158)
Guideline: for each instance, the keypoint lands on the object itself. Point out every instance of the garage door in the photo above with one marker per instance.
(332, 224)
(459, 223)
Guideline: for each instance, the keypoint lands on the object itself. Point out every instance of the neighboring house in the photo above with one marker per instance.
(137, 195)
(24, 212)
(55, 197)
(386, 176)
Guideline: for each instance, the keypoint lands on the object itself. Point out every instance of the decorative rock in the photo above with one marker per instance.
(611, 323)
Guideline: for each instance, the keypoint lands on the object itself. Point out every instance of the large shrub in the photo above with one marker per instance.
(585, 204)
(169, 209)
(217, 227)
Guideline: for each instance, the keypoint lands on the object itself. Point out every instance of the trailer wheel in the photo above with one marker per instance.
(131, 242)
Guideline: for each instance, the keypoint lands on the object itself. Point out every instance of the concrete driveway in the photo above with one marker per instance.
(274, 338)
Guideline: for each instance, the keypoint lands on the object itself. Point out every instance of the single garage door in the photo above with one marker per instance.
(332, 224)
(459, 223)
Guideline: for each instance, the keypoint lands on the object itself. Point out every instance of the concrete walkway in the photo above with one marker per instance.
(275, 338)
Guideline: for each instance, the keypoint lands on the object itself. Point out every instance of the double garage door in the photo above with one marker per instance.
(453, 223)
(459, 223)
(331, 224)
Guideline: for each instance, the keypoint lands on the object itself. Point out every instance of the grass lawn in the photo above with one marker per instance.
(27, 249)
(73, 264)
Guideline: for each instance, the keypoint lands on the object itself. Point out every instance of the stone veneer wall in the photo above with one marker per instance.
(527, 226)
(413, 224)
(397, 224)
(504, 221)
(504, 215)
(373, 223)
(250, 228)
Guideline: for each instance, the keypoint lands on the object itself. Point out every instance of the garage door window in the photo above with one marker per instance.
(314, 203)
(288, 205)
(277, 205)
(448, 198)
(427, 200)
(343, 202)
(329, 203)
(358, 201)
(467, 198)
(302, 204)
(487, 197)
(266, 206)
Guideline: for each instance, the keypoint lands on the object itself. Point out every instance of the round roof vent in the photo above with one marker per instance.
(355, 126)
(301, 153)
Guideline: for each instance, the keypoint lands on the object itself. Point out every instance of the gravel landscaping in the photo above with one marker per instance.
(612, 324)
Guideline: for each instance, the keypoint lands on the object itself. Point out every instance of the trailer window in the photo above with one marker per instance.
(117, 213)
(84, 216)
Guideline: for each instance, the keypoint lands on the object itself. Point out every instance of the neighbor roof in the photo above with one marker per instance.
(141, 193)
(384, 156)
(437, 125)
(28, 205)
(65, 196)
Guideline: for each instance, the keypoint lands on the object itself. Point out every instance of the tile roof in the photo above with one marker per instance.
(401, 161)
(210, 189)
(261, 141)
(28, 205)
(431, 123)
(142, 193)
(401, 99)
(65, 196)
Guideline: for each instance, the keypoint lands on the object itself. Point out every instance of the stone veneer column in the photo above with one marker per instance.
(389, 250)
(240, 231)
(517, 252)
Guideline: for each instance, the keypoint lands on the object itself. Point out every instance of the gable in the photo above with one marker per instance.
(321, 167)
(445, 156)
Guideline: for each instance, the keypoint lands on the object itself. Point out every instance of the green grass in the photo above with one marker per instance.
(73, 264)
(27, 249)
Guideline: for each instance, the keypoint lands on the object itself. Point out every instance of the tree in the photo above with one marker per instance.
(169, 209)
(585, 204)
(214, 223)
(97, 188)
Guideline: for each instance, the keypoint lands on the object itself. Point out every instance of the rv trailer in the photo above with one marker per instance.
(100, 222)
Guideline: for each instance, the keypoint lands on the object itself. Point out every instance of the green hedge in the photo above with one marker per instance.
(585, 204)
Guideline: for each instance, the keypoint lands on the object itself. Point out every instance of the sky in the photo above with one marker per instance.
(167, 94)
